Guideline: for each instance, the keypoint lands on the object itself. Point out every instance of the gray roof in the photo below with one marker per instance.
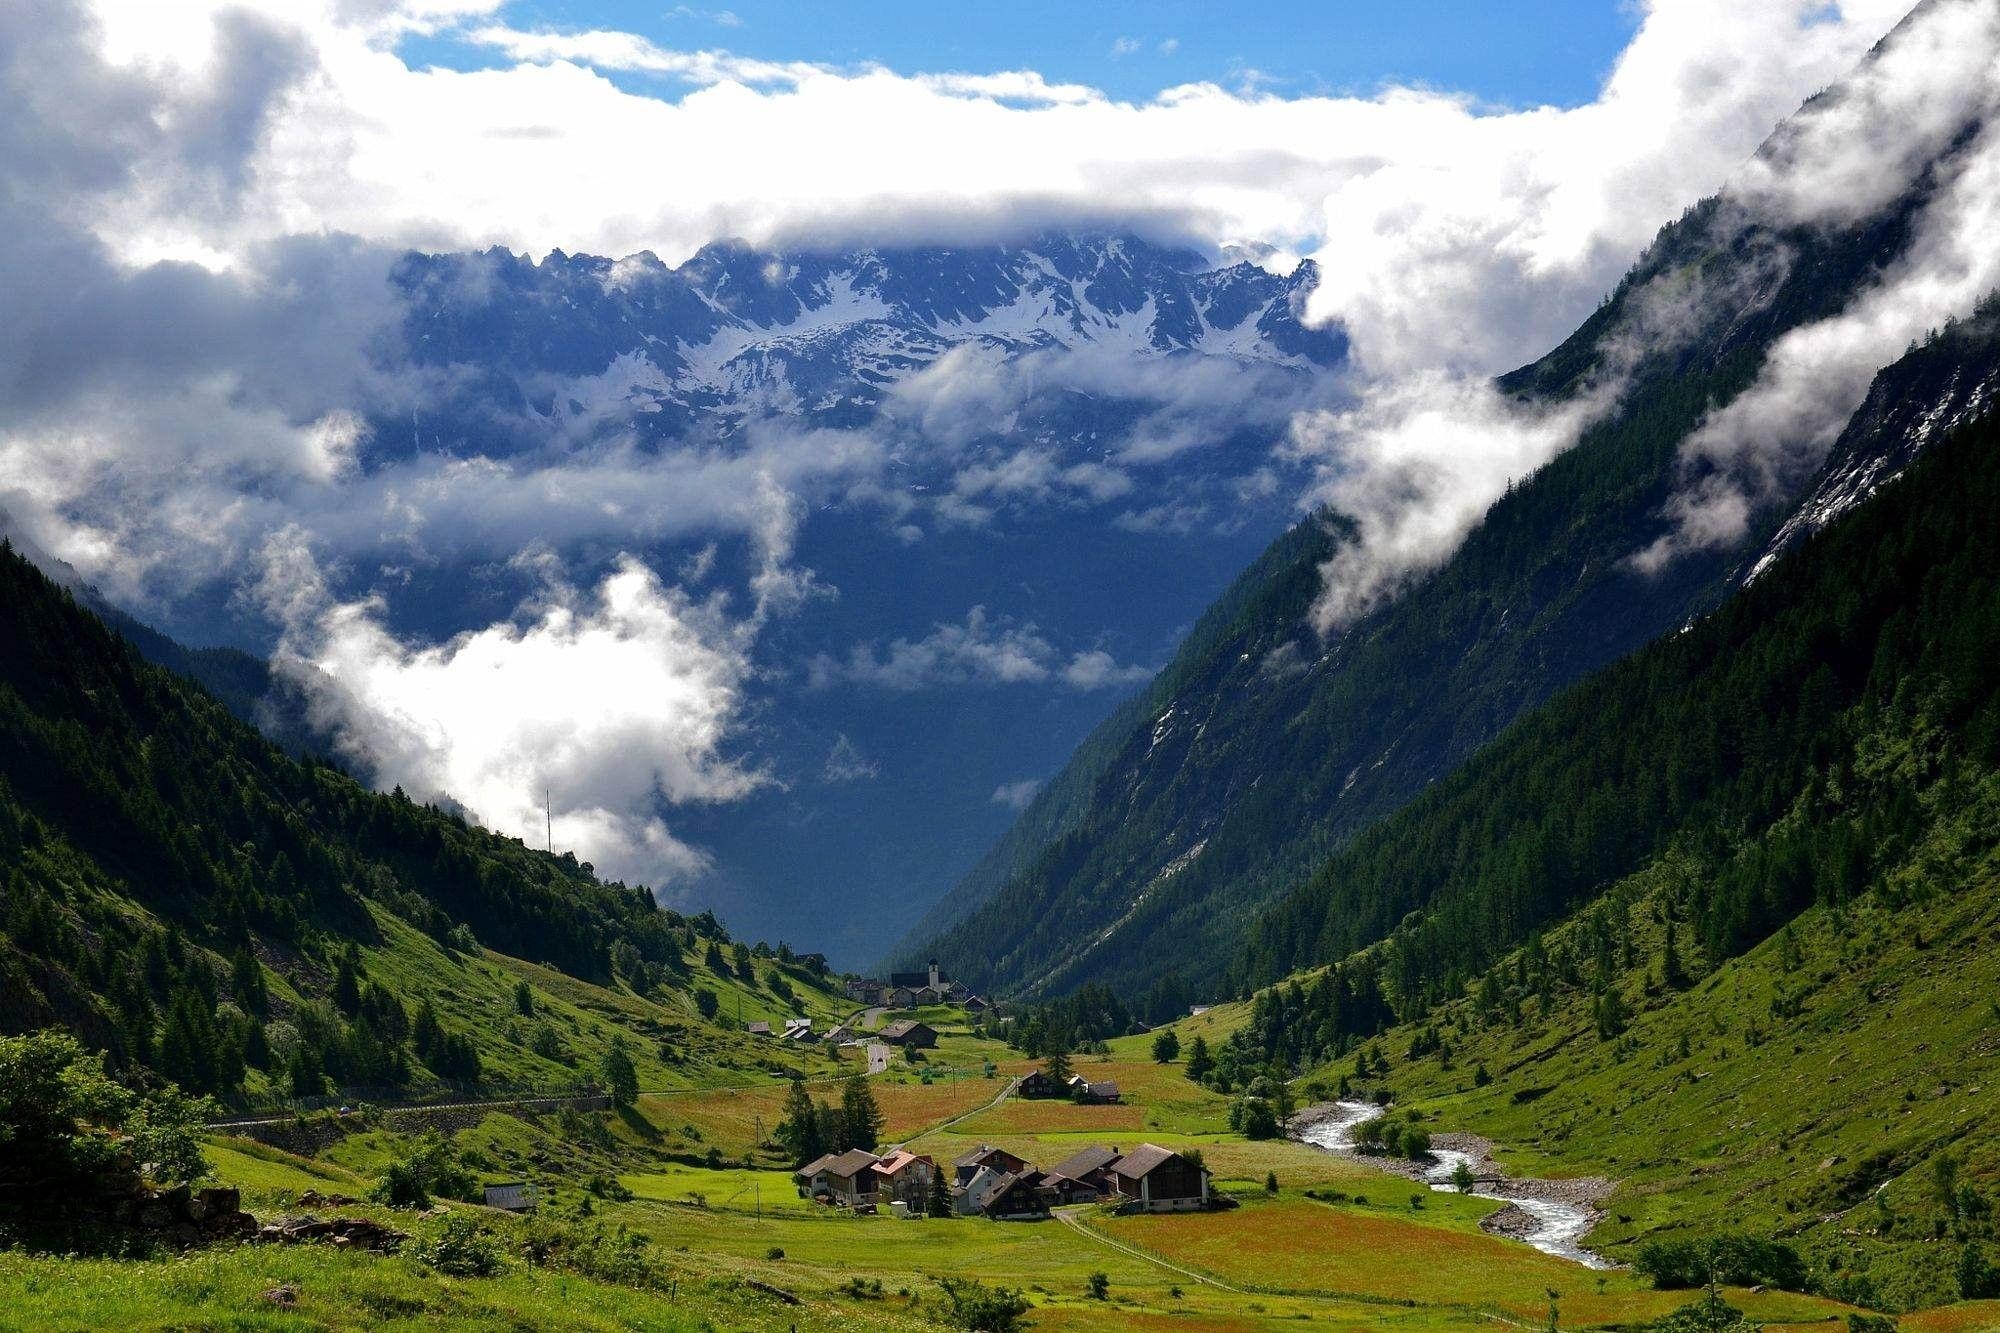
(1081, 1164)
(847, 1164)
(1143, 1160)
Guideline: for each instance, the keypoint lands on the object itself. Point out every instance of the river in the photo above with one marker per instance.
(1556, 1226)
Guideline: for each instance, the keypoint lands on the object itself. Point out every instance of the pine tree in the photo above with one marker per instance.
(861, 1117)
(246, 982)
(938, 1201)
(347, 982)
(801, 1130)
(1200, 1064)
(1056, 1065)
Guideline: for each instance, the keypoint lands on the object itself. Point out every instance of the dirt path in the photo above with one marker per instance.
(943, 1125)
(1068, 1217)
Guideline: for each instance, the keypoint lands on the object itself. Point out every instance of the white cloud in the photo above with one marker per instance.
(1017, 796)
(1125, 46)
(603, 704)
(1771, 437)
(1415, 464)
(982, 651)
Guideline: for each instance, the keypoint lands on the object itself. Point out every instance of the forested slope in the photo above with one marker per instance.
(159, 858)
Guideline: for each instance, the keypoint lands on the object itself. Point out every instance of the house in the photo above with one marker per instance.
(1036, 1084)
(970, 1197)
(844, 1178)
(838, 1034)
(910, 1034)
(1022, 1197)
(514, 1196)
(929, 995)
(904, 1177)
(900, 997)
(813, 962)
(759, 1029)
(1160, 1180)
(865, 992)
(1084, 1177)
(955, 992)
(975, 1005)
(1083, 1090)
(797, 1029)
(987, 1157)
(1197, 1010)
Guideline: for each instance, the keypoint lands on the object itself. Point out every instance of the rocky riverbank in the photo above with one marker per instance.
(1551, 1215)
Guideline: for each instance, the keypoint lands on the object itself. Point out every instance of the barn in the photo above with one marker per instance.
(1160, 1180)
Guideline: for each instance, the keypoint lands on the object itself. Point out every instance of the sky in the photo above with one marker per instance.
(1505, 52)
(204, 200)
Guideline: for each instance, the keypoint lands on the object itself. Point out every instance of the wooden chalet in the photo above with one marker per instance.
(1160, 1180)
(1084, 1177)
(1035, 1084)
(846, 1178)
(986, 1156)
(909, 1033)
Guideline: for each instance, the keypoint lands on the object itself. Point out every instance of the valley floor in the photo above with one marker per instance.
(1339, 1244)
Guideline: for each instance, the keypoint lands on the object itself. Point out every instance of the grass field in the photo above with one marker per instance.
(736, 1246)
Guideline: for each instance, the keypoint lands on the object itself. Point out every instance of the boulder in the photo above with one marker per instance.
(215, 1202)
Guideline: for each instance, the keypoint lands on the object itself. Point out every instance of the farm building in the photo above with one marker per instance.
(1083, 1090)
(843, 1178)
(1022, 1197)
(1160, 1180)
(1084, 1177)
(910, 1033)
(759, 1029)
(1036, 1084)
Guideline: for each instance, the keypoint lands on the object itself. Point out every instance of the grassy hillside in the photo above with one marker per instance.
(194, 901)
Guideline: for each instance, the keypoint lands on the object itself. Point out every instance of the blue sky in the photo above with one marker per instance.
(1513, 52)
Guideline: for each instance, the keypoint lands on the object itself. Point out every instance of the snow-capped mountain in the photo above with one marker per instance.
(736, 332)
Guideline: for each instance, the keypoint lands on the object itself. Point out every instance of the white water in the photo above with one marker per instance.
(1559, 1226)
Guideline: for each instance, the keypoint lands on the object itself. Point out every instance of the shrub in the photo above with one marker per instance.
(431, 1167)
(974, 1306)
(460, 1248)
(1099, 1286)
(1731, 1258)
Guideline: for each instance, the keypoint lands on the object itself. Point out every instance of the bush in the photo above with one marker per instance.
(974, 1306)
(62, 1117)
(432, 1167)
(1099, 1286)
(1738, 1260)
(460, 1248)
